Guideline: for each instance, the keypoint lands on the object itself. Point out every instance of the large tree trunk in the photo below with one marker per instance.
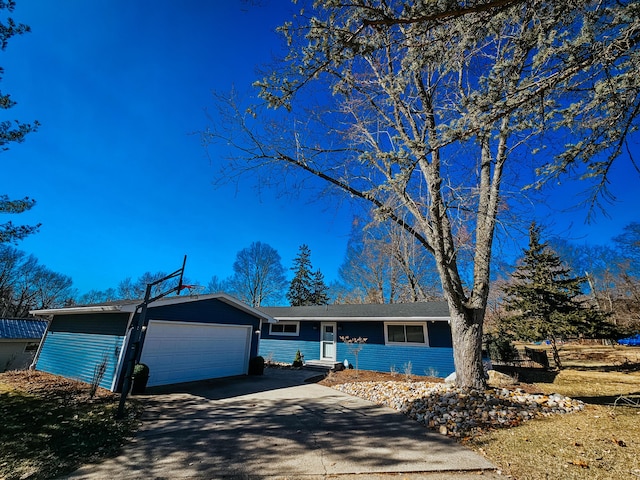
(466, 329)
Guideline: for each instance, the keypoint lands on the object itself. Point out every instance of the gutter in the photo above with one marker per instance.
(72, 310)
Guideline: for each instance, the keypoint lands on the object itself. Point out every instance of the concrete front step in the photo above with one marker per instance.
(323, 365)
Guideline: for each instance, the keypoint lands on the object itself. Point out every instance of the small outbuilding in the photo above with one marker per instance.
(187, 339)
(400, 337)
(19, 340)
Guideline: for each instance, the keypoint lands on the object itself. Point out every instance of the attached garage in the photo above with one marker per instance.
(187, 339)
(186, 351)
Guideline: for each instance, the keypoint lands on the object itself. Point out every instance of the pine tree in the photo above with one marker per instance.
(10, 132)
(307, 287)
(300, 290)
(319, 289)
(545, 297)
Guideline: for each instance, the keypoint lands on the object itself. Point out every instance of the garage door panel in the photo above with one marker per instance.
(182, 351)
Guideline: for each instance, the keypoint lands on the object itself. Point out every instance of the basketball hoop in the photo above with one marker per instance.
(193, 289)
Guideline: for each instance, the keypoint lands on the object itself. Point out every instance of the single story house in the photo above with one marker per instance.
(188, 338)
(19, 340)
(401, 336)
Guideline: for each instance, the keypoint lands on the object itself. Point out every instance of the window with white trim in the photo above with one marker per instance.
(405, 333)
(291, 329)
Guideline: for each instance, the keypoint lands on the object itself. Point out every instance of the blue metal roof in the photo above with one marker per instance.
(18, 328)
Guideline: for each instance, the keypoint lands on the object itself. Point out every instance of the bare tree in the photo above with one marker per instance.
(612, 272)
(627, 282)
(97, 296)
(258, 275)
(432, 106)
(217, 285)
(383, 264)
(26, 285)
(134, 290)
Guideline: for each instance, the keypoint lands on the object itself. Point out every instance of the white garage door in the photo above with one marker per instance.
(184, 351)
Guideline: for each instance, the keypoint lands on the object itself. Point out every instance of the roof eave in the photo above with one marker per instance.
(73, 310)
(132, 306)
(364, 319)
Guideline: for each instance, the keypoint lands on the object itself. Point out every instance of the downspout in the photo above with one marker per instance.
(259, 335)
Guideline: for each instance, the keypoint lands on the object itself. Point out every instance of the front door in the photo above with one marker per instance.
(328, 341)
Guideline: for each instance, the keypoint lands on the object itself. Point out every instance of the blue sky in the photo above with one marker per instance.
(123, 185)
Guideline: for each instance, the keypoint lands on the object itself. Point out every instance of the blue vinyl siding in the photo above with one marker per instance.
(75, 355)
(285, 350)
(424, 360)
(375, 355)
(436, 359)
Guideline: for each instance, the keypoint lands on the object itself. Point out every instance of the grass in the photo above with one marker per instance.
(597, 443)
(601, 442)
(50, 426)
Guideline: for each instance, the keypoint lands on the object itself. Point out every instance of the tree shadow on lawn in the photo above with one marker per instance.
(527, 374)
(625, 367)
(609, 400)
(41, 437)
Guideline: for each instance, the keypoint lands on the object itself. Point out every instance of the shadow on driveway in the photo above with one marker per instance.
(220, 388)
(277, 425)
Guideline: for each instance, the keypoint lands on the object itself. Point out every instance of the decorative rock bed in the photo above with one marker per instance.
(457, 412)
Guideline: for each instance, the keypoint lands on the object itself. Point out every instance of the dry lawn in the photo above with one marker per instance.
(50, 425)
(601, 442)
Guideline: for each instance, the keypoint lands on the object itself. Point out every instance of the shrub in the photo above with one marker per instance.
(141, 370)
(297, 361)
(140, 377)
(407, 369)
(500, 349)
(98, 374)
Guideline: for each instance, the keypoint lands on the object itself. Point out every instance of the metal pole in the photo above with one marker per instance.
(133, 351)
(134, 347)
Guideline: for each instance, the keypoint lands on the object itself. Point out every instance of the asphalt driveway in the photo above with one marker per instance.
(278, 426)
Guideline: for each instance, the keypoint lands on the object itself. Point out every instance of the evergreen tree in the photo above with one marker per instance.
(307, 287)
(300, 290)
(13, 131)
(319, 289)
(544, 296)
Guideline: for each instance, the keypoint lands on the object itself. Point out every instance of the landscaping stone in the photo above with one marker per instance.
(458, 412)
(500, 379)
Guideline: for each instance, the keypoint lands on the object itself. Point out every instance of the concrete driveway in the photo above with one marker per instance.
(278, 426)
